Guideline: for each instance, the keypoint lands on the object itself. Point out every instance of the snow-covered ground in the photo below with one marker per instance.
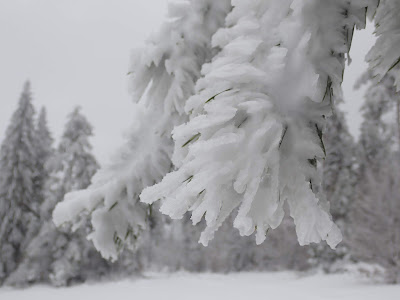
(183, 286)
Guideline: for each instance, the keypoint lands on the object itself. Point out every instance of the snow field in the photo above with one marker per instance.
(184, 286)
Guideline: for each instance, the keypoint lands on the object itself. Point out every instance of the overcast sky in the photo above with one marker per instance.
(76, 52)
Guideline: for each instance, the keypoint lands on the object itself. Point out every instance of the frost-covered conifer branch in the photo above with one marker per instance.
(384, 55)
(163, 76)
(253, 138)
(257, 143)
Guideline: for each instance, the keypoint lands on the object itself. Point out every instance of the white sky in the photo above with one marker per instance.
(353, 99)
(76, 52)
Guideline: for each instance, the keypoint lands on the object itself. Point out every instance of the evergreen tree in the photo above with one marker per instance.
(338, 181)
(74, 257)
(338, 167)
(78, 163)
(57, 255)
(375, 222)
(378, 127)
(44, 153)
(45, 141)
(19, 202)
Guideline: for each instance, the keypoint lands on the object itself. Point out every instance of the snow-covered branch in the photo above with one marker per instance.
(162, 76)
(254, 135)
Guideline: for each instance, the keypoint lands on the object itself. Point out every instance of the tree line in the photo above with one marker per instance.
(360, 180)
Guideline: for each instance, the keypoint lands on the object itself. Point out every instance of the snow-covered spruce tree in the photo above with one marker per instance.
(44, 150)
(30, 269)
(338, 167)
(56, 255)
(73, 256)
(19, 202)
(45, 140)
(380, 116)
(338, 181)
(253, 139)
(375, 234)
(78, 163)
(374, 230)
(168, 69)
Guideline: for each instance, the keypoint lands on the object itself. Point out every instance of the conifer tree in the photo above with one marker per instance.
(338, 167)
(74, 257)
(78, 163)
(19, 202)
(44, 153)
(45, 140)
(57, 255)
(338, 181)
(374, 229)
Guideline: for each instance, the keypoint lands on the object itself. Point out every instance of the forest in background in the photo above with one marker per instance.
(359, 178)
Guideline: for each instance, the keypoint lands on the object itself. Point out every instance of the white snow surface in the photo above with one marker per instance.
(282, 285)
